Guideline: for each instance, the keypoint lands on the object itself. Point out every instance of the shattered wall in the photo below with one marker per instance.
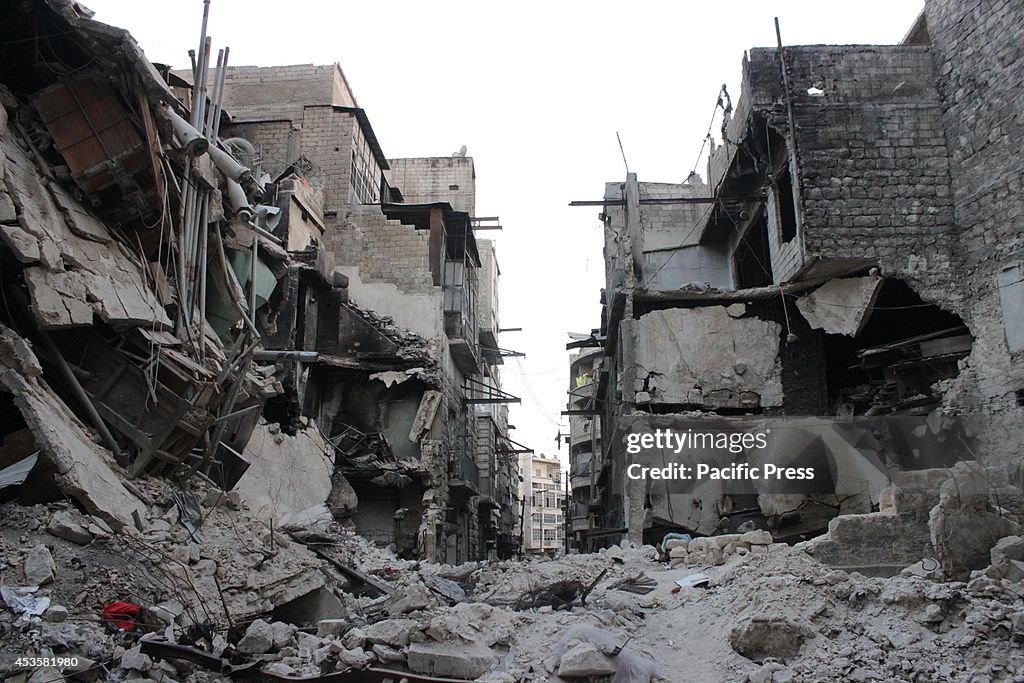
(702, 357)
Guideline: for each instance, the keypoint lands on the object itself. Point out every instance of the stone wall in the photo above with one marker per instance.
(979, 60)
(873, 171)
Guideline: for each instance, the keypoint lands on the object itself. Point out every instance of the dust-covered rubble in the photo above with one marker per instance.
(203, 573)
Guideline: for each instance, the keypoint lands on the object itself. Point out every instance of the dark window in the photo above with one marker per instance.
(787, 209)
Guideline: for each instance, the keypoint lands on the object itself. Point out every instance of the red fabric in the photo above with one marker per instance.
(121, 614)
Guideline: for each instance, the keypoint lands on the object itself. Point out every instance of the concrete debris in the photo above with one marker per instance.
(467, 660)
(258, 638)
(840, 306)
(258, 429)
(585, 660)
(777, 612)
(39, 566)
(69, 526)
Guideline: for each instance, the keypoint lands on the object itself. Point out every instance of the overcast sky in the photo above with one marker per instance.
(536, 91)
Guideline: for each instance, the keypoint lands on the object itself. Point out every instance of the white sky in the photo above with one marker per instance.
(536, 91)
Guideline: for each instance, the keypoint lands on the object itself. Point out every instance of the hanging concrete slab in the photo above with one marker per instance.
(841, 306)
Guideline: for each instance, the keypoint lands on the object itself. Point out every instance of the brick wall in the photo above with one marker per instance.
(978, 52)
(276, 142)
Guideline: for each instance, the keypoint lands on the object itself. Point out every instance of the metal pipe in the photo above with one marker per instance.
(202, 200)
(266, 235)
(237, 413)
(192, 141)
(208, 129)
(203, 242)
(186, 192)
(199, 73)
(84, 399)
(204, 77)
(238, 201)
(220, 96)
(186, 254)
(252, 278)
(227, 164)
(302, 356)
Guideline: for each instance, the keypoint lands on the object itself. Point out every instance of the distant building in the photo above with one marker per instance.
(584, 448)
(543, 490)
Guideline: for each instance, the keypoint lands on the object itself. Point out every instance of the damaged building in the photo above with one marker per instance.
(204, 280)
(398, 299)
(848, 275)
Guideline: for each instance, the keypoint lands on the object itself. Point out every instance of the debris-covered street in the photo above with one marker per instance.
(264, 415)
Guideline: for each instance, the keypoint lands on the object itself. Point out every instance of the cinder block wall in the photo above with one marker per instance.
(382, 249)
(258, 93)
(436, 179)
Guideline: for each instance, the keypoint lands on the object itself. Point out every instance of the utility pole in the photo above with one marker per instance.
(522, 526)
(565, 516)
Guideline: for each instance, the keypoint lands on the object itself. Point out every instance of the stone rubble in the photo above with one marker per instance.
(771, 612)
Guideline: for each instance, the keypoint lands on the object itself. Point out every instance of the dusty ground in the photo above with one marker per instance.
(771, 615)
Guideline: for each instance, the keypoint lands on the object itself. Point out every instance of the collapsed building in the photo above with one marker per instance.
(410, 400)
(853, 256)
(189, 292)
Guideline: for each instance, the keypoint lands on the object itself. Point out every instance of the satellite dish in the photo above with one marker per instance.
(461, 153)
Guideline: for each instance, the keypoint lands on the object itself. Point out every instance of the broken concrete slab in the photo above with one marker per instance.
(769, 637)
(83, 470)
(39, 566)
(58, 299)
(24, 246)
(585, 660)
(69, 526)
(258, 638)
(841, 306)
(468, 660)
(16, 353)
(425, 415)
(287, 475)
(705, 357)
(395, 632)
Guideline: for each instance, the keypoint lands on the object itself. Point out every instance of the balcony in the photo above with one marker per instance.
(580, 481)
(463, 473)
(460, 323)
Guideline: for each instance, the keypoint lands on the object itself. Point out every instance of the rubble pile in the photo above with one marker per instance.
(207, 577)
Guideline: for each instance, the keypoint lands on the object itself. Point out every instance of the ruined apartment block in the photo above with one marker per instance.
(407, 386)
(585, 449)
(853, 254)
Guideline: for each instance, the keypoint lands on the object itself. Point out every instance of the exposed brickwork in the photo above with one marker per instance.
(260, 93)
(384, 250)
